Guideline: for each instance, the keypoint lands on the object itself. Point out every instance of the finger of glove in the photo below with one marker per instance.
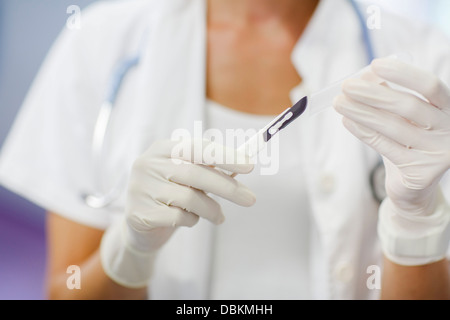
(190, 200)
(413, 78)
(395, 156)
(204, 152)
(209, 180)
(160, 216)
(391, 150)
(368, 75)
(403, 104)
(386, 124)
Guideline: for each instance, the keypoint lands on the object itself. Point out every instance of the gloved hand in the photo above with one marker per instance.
(407, 120)
(168, 189)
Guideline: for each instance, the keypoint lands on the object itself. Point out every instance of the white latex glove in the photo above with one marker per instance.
(168, 190)
(411, 130)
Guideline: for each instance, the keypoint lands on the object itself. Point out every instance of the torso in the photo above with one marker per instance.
(249, 66)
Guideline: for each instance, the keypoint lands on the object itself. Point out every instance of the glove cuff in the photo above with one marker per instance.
(414, 240)
(122, 263)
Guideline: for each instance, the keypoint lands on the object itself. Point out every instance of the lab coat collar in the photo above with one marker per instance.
(333, 34)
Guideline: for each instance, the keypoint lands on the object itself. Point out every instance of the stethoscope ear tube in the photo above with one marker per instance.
(102, 200)
(119, 74)
(365, 32)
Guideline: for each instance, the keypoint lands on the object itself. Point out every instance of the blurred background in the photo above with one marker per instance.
(27, 30)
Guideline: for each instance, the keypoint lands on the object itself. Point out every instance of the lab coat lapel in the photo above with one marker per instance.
(174, 64)
(174, 96)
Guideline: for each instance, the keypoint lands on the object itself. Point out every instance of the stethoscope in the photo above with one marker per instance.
(103, 200)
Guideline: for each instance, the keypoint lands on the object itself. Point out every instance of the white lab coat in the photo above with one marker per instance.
(47, 156)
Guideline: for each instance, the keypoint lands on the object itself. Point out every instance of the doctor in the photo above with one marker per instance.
(190, 232)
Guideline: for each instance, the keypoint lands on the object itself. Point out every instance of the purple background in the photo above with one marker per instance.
(22, 249)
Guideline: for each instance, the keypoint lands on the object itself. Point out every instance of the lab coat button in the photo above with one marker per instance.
(344, 272)
(327, 183)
